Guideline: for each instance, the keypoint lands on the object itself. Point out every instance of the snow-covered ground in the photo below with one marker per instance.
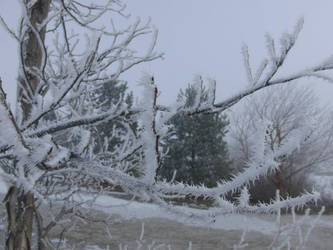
(176, 231)
(137, 210)
(134, 224)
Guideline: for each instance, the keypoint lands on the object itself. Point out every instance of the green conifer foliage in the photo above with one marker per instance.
(197, 150)
(107, 135)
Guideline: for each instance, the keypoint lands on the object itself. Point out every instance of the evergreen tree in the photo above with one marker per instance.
(107, 134)
(197, 150)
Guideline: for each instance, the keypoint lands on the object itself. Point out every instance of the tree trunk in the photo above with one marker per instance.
(20, 210)
(32, 54)
(20, 205)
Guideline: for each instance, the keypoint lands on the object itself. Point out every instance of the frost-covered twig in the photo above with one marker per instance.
(285, 234)
(57, 84)
(142, 244)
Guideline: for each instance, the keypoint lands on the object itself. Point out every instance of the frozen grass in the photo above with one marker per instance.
(164, 230)
(227, 232)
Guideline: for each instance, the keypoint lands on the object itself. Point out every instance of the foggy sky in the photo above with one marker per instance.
(205, 37)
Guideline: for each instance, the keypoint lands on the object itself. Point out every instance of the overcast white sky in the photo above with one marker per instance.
(205, 37)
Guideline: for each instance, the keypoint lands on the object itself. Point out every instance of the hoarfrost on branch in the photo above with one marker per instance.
(40, 158)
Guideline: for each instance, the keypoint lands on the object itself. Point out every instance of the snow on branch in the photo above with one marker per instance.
(265, 76)
(56, 97)
(11, 137)
(150, 137)
(246, 59)
(86, 120)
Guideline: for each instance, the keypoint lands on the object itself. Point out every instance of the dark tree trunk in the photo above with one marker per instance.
(32, 55)
(20, 205)
(20, 210)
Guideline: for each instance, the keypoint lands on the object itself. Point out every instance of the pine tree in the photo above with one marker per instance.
(107, 134)
(197, 151)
